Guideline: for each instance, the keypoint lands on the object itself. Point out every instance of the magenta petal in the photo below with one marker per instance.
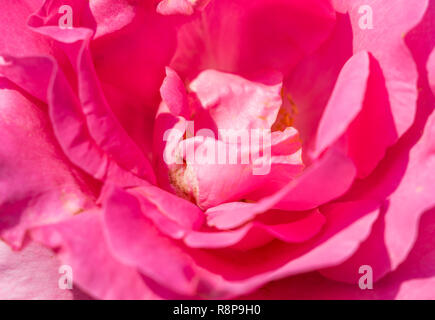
(258, 233)
(347, 225)
(414, 278)
(431, 70)
(311, 83)
(300, 230)
(247, 36)
(37, 183)
(345, 102)
(102, 124)
(66, 116)
(216, 240)
(406, 181)
(373, 130)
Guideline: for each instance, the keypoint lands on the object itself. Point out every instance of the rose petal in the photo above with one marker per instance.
(232, 36)
(66, 117)
(414, 279)
(394, 57)
(17, 38)
(256, 234)
(82, 246)
(319, 179)
(31, 274)
(346, 101)
(102, 124)
(431, 70)
(37, 183)
(236, 103)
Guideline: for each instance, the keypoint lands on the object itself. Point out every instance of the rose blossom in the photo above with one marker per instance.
(346, 89)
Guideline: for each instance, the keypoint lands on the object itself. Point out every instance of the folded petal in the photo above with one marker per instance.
(413, 280)
(403, 185)
(326, 179)
(345, 102)
(101, 122)
(309, 86)
(237, 103)
(348, 224)
(81, 244)
(152, 254)
(257, 233)
(373, 131)
(66, 116)
(249, 177)
(395, 59)
(38, 185)
(183, 212)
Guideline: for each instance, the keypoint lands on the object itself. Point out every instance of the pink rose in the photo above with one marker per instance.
(123, 152)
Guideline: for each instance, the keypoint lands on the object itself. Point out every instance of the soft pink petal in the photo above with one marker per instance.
(113, 15)
(215, 183)
(168, 133)
(174, 94)
(168, 7)
(236, 103)
(31, 274)
(224, 104)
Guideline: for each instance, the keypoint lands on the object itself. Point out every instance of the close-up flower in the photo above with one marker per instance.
(217, 149)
